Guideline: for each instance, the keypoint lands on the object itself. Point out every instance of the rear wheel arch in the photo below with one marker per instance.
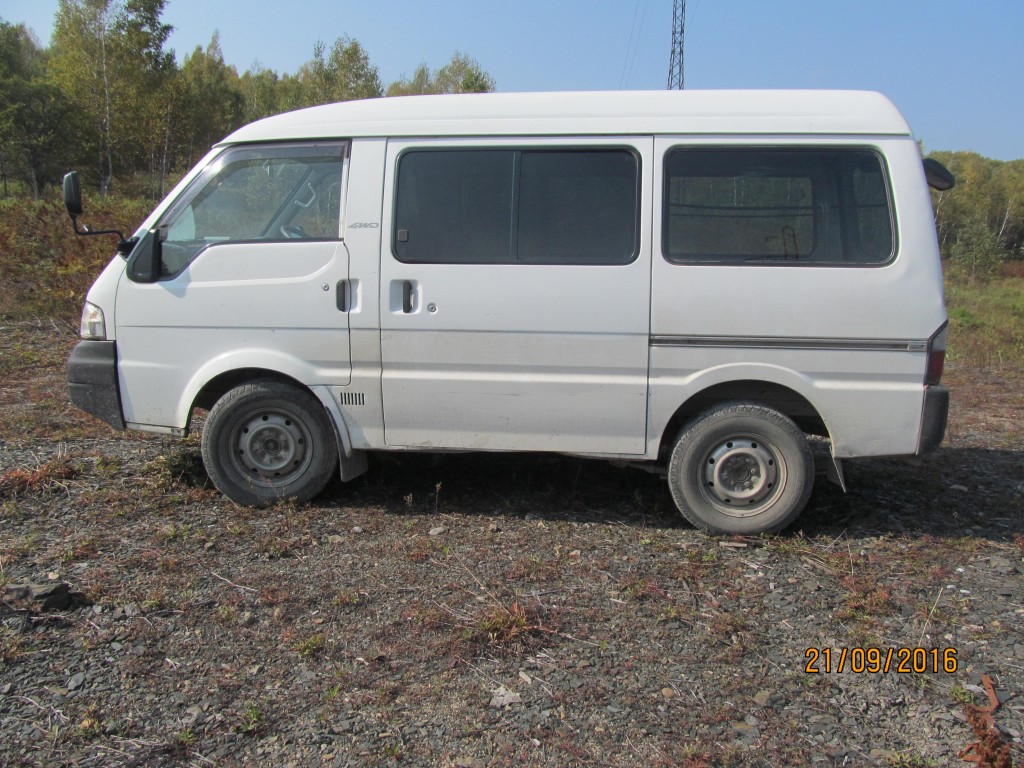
(777, 397)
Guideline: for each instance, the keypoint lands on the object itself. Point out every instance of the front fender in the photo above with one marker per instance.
(263, 361)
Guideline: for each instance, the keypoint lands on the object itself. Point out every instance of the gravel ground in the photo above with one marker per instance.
(481, 610)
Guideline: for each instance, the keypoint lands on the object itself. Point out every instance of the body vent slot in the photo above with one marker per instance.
(352, 398)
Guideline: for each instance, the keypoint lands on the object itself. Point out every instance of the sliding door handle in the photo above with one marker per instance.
(407, 297)
(402, 297)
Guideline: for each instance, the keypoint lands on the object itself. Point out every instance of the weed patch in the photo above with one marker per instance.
(509, 628)
(45, 478)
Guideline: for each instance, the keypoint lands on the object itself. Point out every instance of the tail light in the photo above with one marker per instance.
(936, 357)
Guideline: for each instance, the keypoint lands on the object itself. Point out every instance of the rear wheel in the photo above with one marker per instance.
(741, 468)
(268, 441)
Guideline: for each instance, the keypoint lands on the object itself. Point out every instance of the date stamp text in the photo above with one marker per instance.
(907, 660)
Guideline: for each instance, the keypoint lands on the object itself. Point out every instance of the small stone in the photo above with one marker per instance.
(503, 697)
(733, 545)
(962, 489)
(437, 531)
(668, 693)
(52, 597)
(17, 592)
(357, 529)
(746, 734)
(1001, 565)
(762, 698)
(77, 681)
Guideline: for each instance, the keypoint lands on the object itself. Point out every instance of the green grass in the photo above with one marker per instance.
(986, 320)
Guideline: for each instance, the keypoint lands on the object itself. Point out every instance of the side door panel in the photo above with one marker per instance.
(256, 267)
(516, 356)
(260, 304)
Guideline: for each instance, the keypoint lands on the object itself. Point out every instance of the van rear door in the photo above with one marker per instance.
(515, 289)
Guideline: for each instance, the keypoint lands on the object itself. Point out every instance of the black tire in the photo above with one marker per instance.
(269, 441)
(741, 468)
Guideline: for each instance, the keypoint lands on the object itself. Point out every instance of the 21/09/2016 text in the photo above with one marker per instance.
(906, 660)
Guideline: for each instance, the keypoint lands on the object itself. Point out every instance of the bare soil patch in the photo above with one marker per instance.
(488, 610)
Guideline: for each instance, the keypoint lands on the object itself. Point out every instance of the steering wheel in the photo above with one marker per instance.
(293, 232)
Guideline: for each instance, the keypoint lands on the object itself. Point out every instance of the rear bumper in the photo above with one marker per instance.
(933, 418)
(92, 381)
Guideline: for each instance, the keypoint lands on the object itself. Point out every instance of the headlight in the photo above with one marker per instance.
(93, 325)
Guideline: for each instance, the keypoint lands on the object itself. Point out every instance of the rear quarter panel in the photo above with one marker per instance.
(858, 334)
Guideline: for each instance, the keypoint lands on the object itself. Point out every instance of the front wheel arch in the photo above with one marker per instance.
(268, 440)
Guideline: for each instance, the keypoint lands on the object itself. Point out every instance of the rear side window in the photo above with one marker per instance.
(787, 206)
(509, 206)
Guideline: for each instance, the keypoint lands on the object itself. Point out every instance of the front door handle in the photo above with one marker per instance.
(341, 295)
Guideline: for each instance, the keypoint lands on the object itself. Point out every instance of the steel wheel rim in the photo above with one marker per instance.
(270, 447)
(742, 475)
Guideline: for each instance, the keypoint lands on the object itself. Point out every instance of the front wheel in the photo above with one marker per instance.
(741, 468)
(269, 441)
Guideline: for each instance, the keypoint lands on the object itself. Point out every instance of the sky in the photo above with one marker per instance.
(954, 68)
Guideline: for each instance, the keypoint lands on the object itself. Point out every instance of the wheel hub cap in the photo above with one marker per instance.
(272, 446)
(741, 476)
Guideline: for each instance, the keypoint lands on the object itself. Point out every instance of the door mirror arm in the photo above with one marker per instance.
(73, 203)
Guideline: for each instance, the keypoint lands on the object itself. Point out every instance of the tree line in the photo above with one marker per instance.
(980, 221)
(108, 97)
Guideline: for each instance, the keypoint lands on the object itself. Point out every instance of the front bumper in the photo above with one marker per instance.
(933, 418)
(92, 381)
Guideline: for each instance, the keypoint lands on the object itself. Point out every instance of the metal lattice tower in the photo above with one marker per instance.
(675, 61)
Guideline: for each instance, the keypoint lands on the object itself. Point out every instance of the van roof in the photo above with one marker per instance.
(620, 113)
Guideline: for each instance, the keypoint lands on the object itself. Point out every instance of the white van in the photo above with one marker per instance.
(690, 280)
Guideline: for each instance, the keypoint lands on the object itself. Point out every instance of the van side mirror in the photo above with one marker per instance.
(73, 195)
(73, 202)
(938, 175)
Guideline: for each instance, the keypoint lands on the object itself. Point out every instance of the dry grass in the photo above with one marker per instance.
(45, 478)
